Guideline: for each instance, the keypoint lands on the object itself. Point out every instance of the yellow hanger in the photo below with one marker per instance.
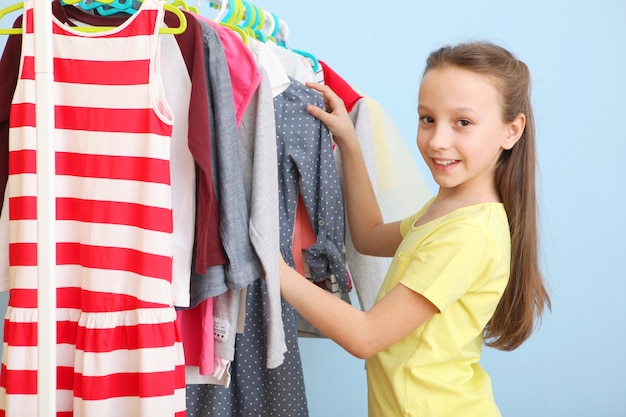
(238, 30)
(235, 12)
(92, 29)
(229, 14)
(181, 4)
(6, 11)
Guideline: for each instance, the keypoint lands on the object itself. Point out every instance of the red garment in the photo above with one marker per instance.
(303, 236)
(340, 86)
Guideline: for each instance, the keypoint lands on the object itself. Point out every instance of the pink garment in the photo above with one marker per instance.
(244, 73)
(196, 330)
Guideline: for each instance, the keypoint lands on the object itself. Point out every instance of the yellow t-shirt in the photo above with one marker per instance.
(460, 262)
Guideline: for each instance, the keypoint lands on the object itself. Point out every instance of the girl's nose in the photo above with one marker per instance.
(441, 138)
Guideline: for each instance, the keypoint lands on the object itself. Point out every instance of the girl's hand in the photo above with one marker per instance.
(335, 116)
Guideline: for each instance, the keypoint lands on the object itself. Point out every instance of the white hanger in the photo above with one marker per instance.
(282, 37)
(223, 8)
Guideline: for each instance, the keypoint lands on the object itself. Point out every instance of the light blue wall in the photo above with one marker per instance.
(575, 365)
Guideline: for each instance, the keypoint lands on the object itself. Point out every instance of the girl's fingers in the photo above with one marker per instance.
(330, 97)
(318, 113)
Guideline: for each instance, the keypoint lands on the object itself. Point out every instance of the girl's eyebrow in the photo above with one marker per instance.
(458, 109)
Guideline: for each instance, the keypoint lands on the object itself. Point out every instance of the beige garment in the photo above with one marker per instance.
(400, 184)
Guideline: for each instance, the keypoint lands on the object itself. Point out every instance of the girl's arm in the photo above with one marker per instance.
(362, 334)
(370, 235)
(402, 310)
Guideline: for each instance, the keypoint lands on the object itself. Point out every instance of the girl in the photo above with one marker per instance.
(465, 268)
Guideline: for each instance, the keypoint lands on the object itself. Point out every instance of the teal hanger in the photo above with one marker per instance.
(314, 61)
(132, 4)
(88, 4)
(259, 23)
(117, 6)
(234, 13)
(249, 15)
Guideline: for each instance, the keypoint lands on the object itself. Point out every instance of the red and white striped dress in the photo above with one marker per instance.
(119, 351)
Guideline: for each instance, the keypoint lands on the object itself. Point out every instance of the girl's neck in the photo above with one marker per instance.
(446, 202)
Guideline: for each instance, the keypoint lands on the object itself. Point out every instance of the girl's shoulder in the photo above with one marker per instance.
(481, 215)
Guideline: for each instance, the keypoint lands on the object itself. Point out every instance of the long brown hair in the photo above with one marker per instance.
(525, 296)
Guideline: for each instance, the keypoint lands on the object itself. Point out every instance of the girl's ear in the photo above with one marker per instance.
(514, 131)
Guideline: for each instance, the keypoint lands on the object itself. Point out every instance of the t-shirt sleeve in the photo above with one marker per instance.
(448, 263)
(405, 224)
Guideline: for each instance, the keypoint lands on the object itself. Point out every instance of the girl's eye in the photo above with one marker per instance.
(463, 123)
(426, 119)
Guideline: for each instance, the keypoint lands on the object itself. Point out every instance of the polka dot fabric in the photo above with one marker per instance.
(306, 165)
(254, 389)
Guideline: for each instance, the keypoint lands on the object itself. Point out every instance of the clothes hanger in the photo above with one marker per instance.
(259, 22)
(250, 19)
(249, 15)
(226, 16)
(174, 31)
(269, 25)
(276, 26)
(245, 15)
(235, 12)
(92, 29)
(282, 39)
(314, 61)
(181, 4)
(89, 4)
(5, 11)
(116, 6)
(222, 7)
(282, 35)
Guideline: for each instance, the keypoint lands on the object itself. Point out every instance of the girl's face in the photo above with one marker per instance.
(461, 132)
